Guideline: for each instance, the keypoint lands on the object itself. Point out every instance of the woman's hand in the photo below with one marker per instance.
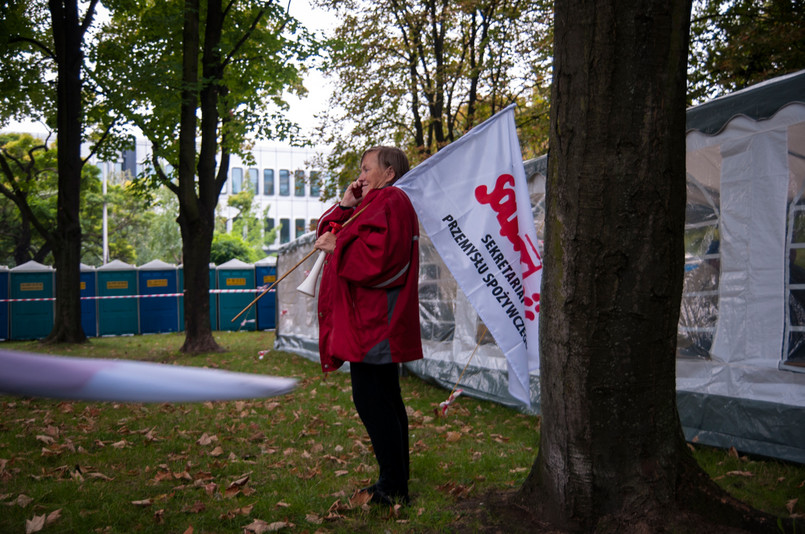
(326, 242)
(353, 195)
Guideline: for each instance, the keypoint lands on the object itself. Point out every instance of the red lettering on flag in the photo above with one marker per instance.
(503, 202)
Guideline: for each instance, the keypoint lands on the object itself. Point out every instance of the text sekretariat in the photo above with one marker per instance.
(506, 271)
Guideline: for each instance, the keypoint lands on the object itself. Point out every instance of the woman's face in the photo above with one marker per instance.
(372, 175)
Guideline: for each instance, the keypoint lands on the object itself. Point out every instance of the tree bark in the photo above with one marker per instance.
(67, 36)
(612, 455)
(196, 211)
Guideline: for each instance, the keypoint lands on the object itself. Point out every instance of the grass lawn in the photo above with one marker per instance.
(290, 462)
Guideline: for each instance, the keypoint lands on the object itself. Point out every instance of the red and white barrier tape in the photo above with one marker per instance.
(157, 295)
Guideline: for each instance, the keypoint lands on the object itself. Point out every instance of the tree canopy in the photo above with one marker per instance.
(420, 74)
(735, 44)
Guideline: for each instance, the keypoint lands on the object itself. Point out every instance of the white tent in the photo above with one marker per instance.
(741, 364)
(740, 379)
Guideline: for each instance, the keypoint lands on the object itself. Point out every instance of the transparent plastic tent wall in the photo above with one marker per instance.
(741, 341)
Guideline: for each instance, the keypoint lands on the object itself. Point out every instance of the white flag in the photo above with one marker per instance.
(472, 200)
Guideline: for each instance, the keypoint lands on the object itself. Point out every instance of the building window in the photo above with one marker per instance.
(300, 227)
(253, 180)
(285, 182)
(237, 180)
(268, 182)
(269, 226)
(285, 230)
(315, 184)
(299, 184)
(314, 223)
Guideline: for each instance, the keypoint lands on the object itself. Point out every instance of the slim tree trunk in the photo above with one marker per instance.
(196, 219)
(67, 35)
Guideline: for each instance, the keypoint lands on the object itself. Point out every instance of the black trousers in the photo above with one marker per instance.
(377, 397)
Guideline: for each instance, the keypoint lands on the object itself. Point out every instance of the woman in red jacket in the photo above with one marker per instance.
(369, 307)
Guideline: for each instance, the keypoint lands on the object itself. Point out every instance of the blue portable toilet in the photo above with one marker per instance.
(158, 314)
(89, 306)
(3, 302)
(213, 299)
(236, 275)
(31, 319)
(265, 273)
(118, 315)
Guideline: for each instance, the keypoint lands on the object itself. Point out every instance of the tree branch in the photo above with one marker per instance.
(38, 44)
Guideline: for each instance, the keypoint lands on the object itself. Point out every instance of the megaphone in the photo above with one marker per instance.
(308, 285)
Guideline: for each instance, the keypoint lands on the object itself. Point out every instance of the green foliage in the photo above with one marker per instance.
(245, 241)
(231, 246)
(739, 43)
(26, 87)
(139, 56)
(28, 185)
(419, 75)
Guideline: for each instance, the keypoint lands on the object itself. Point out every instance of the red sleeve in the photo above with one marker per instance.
(375, 250)
(336, 214)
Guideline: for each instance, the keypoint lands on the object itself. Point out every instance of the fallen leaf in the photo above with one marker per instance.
(53, 516)
(790, 505)
(47, 440)
(359, 498)
(258, 526)
(34, 525)
(341, 472)
(22, 500)
(313, 518)
(453, 436)
(144, 502)
(217, 451)
(189, 530)
(159, 516)
(733, 452)
(195, 508)
(206, 439)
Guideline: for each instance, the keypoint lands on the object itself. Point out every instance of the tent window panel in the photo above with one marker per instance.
(699, 311)
(796, 349)
(701, 276)
(694, 343)
(798, 232)
(796, 307)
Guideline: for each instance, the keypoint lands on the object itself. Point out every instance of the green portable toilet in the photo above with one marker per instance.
(265, 272)
(117, 309)
(213, 299)
(238, 277)
(89, 304)
(158, 314)
(3, 302)
(31, 286)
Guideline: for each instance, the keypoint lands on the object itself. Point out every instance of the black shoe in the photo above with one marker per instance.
(388, 499)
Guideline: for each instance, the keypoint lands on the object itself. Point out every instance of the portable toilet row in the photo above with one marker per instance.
(118, 311)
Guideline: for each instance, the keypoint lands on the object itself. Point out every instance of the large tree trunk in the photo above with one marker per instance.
(196, 221)
(612, 456)
(67, 35)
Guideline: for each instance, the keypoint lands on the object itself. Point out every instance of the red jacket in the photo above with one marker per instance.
(369, 298)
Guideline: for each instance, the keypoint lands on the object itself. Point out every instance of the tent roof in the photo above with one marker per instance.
(759, 101)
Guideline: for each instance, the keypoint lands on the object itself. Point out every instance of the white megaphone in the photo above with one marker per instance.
(308, 286)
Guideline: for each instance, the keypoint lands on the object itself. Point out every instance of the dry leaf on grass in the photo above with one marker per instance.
(258, 526)
(790, 505)
(40, 521)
